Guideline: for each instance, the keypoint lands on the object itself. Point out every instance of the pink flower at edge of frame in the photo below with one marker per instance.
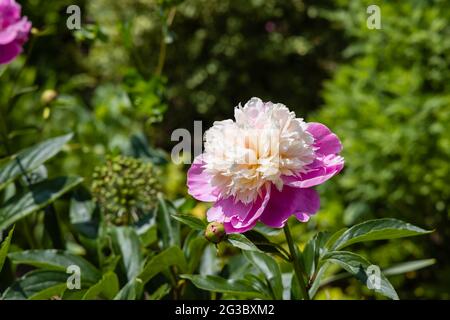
(14, 30)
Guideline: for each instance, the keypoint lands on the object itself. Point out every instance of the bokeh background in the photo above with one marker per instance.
(138, 69)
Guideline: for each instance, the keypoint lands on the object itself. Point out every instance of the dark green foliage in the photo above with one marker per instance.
(139, 69)
(390, 104)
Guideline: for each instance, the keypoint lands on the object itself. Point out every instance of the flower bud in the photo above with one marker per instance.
(48, 96)
(215, 232)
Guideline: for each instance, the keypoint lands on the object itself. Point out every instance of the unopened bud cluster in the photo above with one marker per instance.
(125, 188)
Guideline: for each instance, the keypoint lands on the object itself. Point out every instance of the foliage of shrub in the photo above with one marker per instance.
(140, 68)
(391, 104)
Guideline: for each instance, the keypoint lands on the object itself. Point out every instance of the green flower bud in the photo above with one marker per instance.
(215, 232)
(48, 96)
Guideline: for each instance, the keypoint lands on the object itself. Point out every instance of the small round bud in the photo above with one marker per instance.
(48, 96)
(215, 232)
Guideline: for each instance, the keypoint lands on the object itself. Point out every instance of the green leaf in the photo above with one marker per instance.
(332, 239)
(82, 209)
(38, 284)
(191, 221)
(131, 291)
(48, 293)
(358, 266)
(408, 266)
(219, 284)
(193, 249)
(108, 287)
(5, 247)
(169, 231)
(81, 206)
(148, 235)
(170, 257)
(316, 281)
(31, 158)
(271, 270)
(126, 240)
(260, 284)
(264, 244)
(39, 196)
(56, 260)
(380, 229)
(240, 241)
(160, 292)
(73, 294)
(397, 269)
(312, 252)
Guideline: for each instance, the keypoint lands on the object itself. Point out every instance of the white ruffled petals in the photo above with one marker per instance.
(265, 142)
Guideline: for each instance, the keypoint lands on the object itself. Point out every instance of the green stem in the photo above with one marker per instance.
(19, 73)
(28, 230)
(296, 262)
(163, 44)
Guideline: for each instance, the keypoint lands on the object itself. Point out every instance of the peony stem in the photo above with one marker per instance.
(295, 262)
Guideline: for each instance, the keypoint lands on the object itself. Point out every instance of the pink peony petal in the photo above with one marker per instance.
(320, 171)
(17, 31)
(199, 182)
(240, 223)
(325, 141)
(9, 12)
(8, 35)
(302, 217)
(224, 208)
(289, 201)
(9, 51)
(237, 216)
(13, 30)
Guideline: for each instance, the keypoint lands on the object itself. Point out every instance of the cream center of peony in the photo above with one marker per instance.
(265, 142)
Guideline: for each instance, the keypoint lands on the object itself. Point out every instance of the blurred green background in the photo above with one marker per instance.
(138, 69)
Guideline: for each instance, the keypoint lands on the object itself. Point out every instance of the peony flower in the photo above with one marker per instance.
(13, 30)
(262, 167)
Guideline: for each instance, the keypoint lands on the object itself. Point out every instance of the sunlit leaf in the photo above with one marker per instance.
(170, 257)
(37, 197)
(380, 229)
(31, 158)
(358, 267)
(57, 260)
(129, 246)
(270, 268)
(4, 247)
(219, 284)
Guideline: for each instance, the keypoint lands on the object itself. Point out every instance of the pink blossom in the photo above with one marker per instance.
(14, 30)
(263, 166)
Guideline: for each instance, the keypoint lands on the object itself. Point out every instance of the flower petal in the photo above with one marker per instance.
(8, 35)
(9, 51)
(289, 201)
(236, 216)
(199, 182)
(325, 141)
(320, 170)
(224, 209)
(239, 223)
